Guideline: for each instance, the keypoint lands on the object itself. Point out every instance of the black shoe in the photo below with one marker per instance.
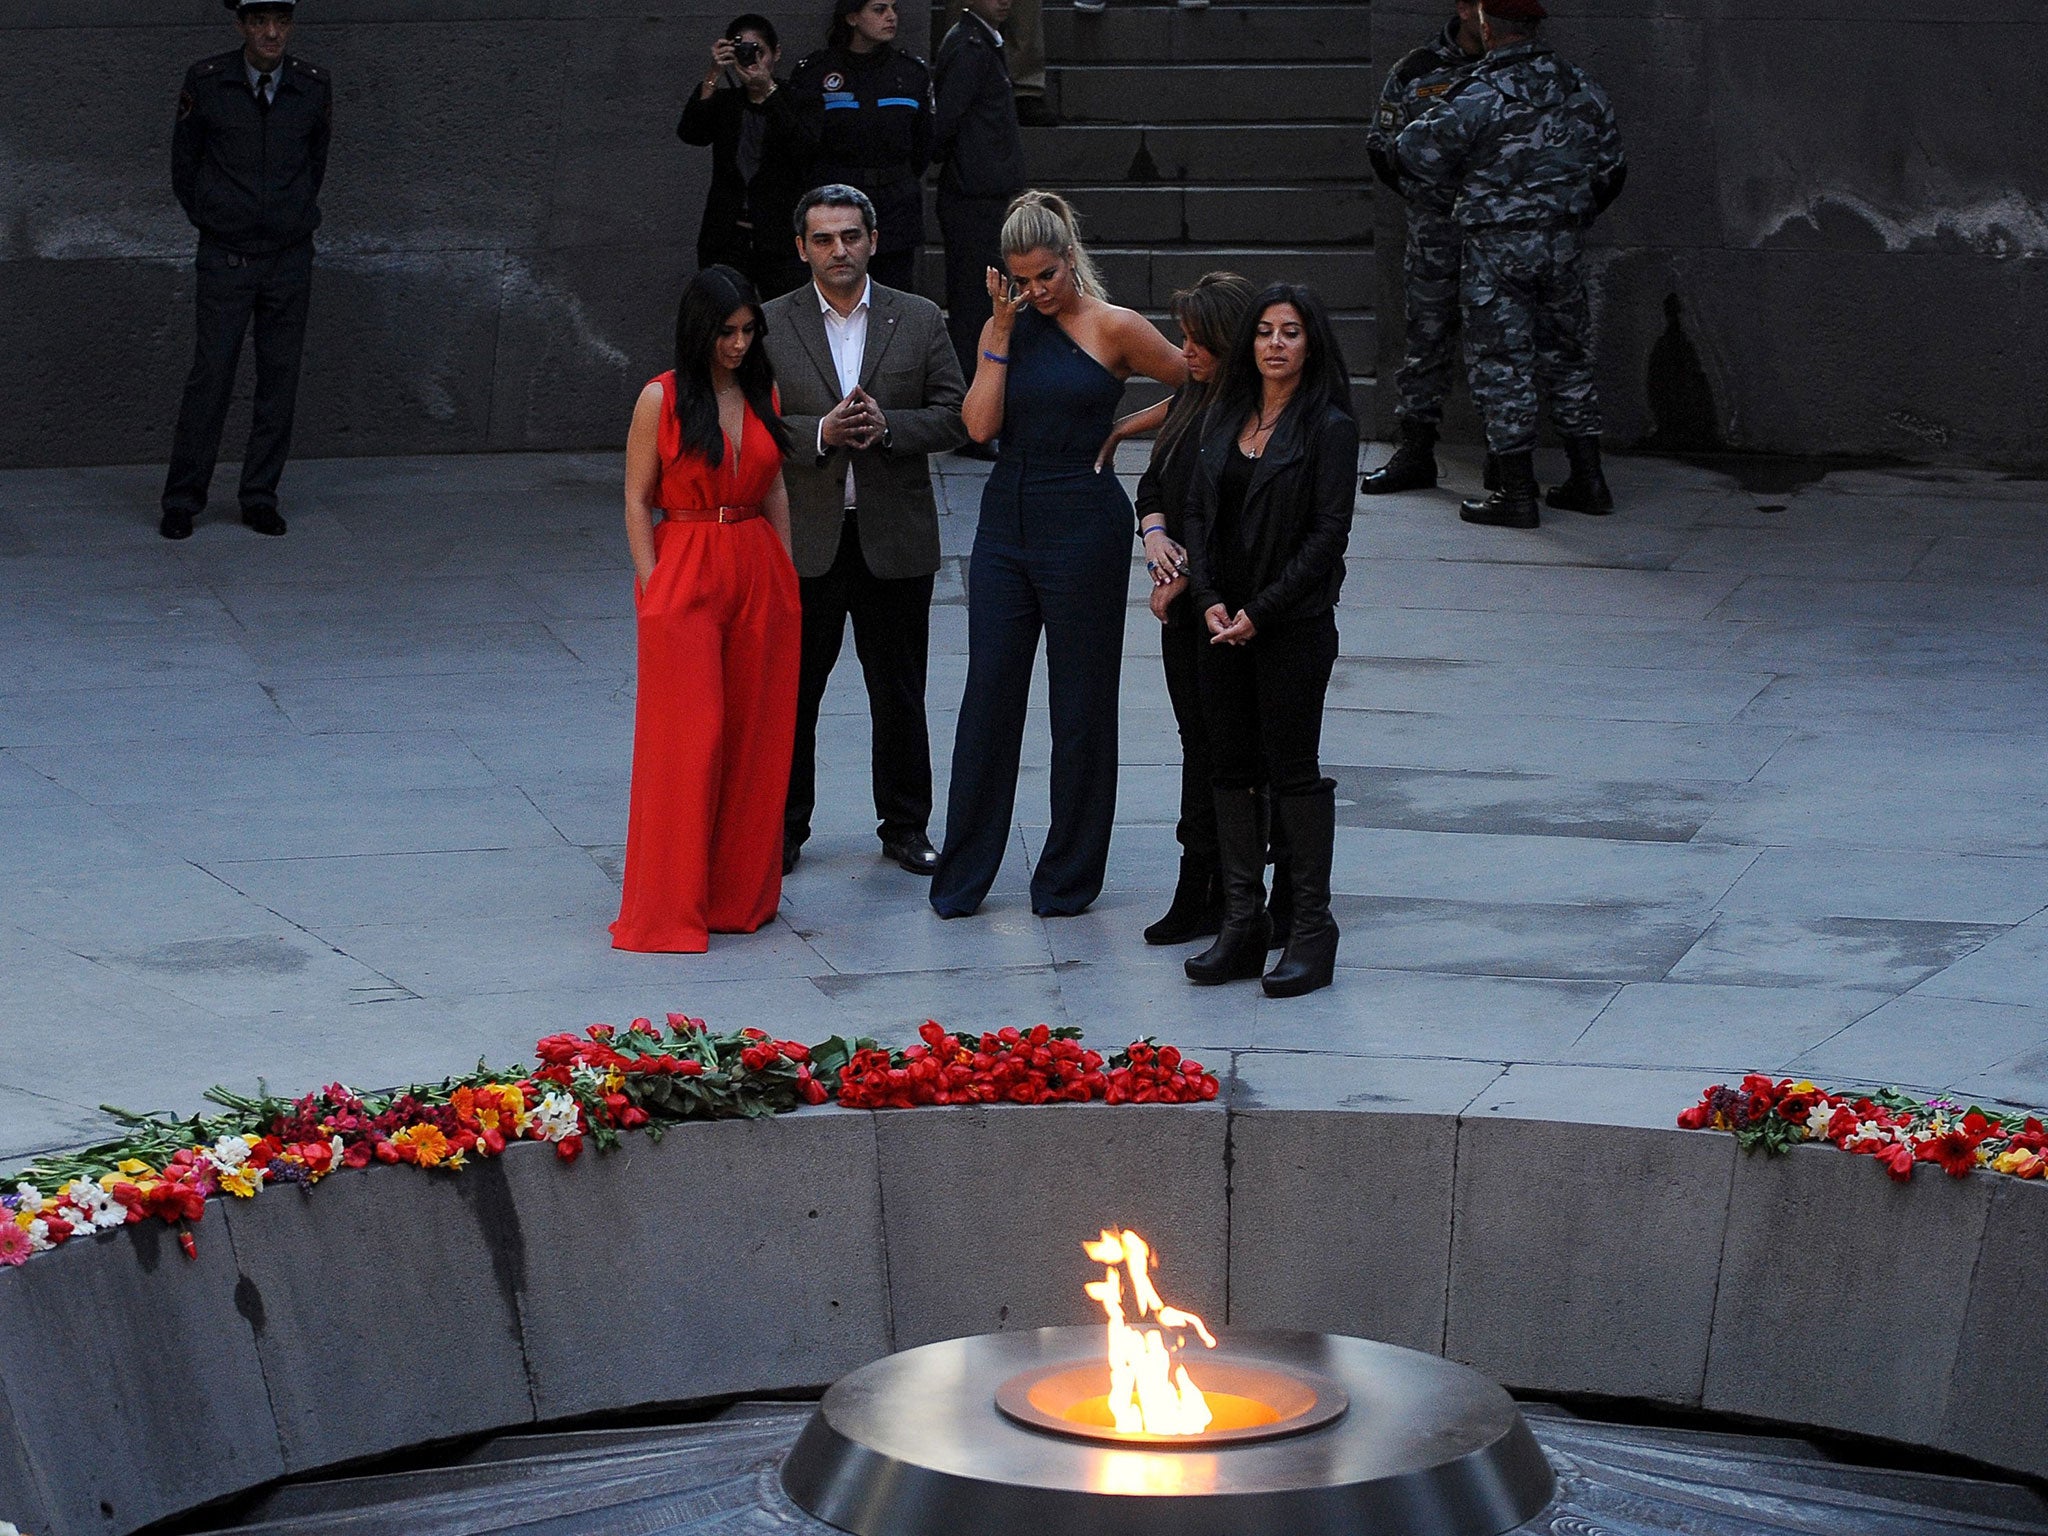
(175, 525)
(1239, 952)
(1197, 908)
(984, 453)
(1585, 489)
(1489, 474)
(1413, 466)
(791, 852)
(1310, 963)
(1514, 504)
(912, 850)
(1280, 904)
(1032, 112)
(264, 520)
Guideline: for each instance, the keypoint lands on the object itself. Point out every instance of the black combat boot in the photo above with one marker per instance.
(1197, 909)
(1239, 952)
(1413, 466)
(1585, 489)
(1490, 475)
(1311, 959)
(1514, 504)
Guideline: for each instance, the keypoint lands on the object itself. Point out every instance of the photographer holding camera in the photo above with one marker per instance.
(762, 138)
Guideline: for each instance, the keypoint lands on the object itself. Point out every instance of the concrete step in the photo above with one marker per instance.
(1205, 155)
(1153, 34)
(1246, 216)
(1211, 93)
(1146, 279)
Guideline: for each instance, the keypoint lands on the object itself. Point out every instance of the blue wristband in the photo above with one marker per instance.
(993, 358)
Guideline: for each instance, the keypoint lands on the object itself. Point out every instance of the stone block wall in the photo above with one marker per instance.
(509, 217)
(1835, 233)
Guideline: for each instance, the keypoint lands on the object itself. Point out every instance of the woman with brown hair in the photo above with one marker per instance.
(1052, 556)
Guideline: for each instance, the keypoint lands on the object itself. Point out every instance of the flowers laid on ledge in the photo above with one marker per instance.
(587, 1087)
(1897, 1130)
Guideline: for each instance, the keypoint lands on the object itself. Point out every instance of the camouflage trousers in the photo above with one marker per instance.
(1526, 326)
(1429, 268)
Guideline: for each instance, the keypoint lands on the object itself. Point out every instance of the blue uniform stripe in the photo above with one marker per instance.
(899, 101)
(842, 106)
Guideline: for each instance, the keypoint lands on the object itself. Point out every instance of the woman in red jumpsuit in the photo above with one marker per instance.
(719, 630)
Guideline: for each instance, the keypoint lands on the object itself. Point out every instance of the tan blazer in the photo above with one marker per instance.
(911, 370)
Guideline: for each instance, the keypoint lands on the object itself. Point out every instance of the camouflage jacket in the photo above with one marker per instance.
(1524, 140)
(1423, 78)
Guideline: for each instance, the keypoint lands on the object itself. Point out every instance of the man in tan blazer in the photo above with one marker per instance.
(870, 388)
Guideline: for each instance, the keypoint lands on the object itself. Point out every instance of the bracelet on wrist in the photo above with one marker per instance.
(994, 357)
(1146, 533)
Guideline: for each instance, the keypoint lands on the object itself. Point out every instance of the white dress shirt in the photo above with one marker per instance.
(256, 77)
(847, 336)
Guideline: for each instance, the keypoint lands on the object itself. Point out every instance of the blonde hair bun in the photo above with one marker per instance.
(1045, 221)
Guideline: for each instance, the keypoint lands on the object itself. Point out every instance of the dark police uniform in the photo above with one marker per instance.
(981, 167)
(1429, 265)
(875, 134)
(247, 170)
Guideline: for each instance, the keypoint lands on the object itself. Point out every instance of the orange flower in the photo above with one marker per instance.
(422, 1144)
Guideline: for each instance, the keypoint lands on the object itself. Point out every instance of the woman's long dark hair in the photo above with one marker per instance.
(840, 33)
(710, 297)
(1325, 381)
(1210, 314)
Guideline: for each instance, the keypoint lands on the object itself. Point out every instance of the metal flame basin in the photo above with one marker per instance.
(1251, 1400)
(917, 1445)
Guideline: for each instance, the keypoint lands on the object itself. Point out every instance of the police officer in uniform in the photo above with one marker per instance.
(981, 166)
(247, 159)
(1528, 147)
(1429, 265)
(876, 129)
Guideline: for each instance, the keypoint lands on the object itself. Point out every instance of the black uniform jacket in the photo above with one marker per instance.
(975, 137)
(248, 176)
(1296, 519)
(875, 132)
(789, 140)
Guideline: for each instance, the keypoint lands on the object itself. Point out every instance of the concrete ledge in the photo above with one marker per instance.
(387, 1308)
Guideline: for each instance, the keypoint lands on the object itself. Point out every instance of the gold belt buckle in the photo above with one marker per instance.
(721, 514)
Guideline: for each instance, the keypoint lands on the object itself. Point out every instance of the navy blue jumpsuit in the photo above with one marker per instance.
(1052, 553)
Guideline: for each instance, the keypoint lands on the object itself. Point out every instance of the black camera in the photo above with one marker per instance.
(746, 52)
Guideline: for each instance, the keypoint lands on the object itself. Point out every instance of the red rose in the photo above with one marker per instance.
(568, 1148)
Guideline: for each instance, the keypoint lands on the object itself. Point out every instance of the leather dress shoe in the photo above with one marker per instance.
(176, 525)
(913, 850)
(264, 520)
(791, 852)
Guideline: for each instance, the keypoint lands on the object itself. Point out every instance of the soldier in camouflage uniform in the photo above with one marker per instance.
(1429, 265)
(1530, 148)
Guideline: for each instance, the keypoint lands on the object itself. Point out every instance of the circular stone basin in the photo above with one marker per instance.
(916, 1445)
(1248, 1400)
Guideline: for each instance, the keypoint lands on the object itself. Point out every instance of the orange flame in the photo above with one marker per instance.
(1149, 1392)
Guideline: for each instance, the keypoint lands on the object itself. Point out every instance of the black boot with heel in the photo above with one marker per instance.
(1239, 952)
(1197, 908)
(1310, 962)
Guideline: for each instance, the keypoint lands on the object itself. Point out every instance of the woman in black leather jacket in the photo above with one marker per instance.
(1269, 514)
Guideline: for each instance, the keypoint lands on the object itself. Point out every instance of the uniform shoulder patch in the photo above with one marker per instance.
(309, 69)
(1417, 61)
(1435, 89)
(185, 105)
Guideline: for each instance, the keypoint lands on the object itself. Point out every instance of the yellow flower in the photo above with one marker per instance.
(244, 1182)
(133, 1166)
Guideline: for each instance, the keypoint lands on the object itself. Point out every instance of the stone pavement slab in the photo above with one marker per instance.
(1626, 805)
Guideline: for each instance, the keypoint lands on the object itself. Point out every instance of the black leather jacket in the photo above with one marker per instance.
(1296, 519)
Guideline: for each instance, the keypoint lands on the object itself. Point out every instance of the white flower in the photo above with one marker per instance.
(229, 1153)
(39, 1236)
(7, 1529)
(1817, 1120)
(96, 1208)
(334, 1145)
(31, 1197)
(555, 1117)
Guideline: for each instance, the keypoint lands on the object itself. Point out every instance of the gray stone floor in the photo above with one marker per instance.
(1728, 781)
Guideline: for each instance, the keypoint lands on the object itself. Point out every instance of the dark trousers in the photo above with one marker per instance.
(766, 256)
(1181, 644)
(895, 269)
(973, 228)
(1073, 593)
(892, 638)
(274, 292)
(1264, 706)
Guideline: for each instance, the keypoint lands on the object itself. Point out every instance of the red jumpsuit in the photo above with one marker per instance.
(720, 630)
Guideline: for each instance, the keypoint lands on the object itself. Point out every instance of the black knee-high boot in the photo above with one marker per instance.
(1239, 952)
(1197, 909)
(1310, 962)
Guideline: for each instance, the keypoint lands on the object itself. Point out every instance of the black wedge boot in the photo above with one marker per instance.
(1239, 952)
(1311, 959)
(1413, 466)
(1514, 504)
(1585, 489)
(1197, 909)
